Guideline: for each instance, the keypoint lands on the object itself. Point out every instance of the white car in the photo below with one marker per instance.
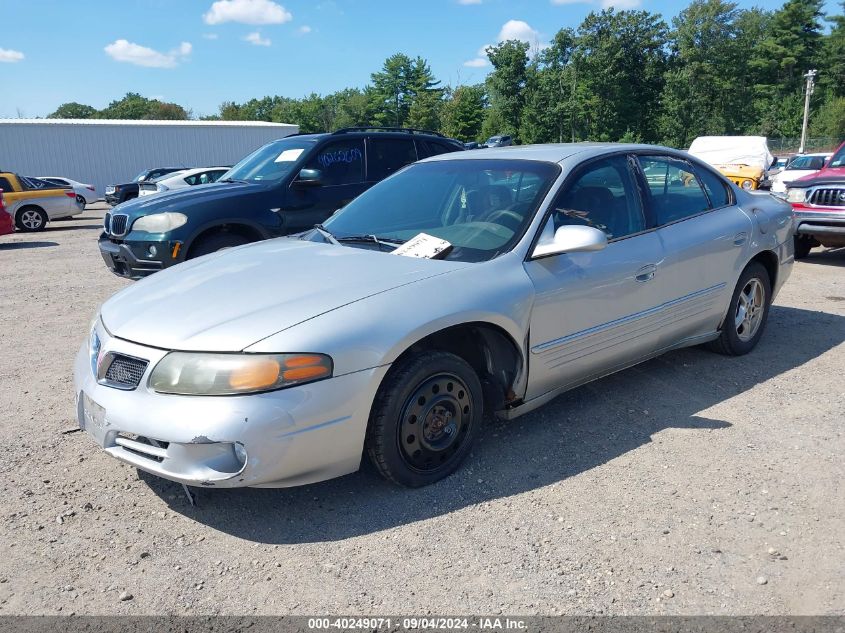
(798, 166)
(179, 180)
(85, 194)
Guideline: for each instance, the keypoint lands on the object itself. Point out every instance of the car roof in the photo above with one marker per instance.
(386, 132)
(553, 152)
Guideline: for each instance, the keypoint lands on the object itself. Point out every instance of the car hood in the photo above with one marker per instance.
(231, 299)
(178, 199)
(827, 175)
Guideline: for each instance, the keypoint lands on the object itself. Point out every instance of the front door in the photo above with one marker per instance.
(595, 312)
(341, 164)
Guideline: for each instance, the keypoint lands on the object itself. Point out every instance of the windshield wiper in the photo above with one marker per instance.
(327, 235)
(381, 241)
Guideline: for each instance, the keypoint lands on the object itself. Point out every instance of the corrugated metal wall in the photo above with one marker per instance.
(103, 154)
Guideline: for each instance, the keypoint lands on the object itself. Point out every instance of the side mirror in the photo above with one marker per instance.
(571, 239)
(309, 178)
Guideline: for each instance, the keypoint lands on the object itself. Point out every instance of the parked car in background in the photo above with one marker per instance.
(115, 194)
(744, 160)
(33, 202)
(797, 167)
(473, 145)
(7, 223)
(499, 141)
(818, 201)
(182, 179)
(284, 187)
(85, 194)
(536, 270)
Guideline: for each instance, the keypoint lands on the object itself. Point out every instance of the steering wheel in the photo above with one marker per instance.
(514, 219)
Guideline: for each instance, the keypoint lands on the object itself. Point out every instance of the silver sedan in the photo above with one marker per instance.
(469, 284)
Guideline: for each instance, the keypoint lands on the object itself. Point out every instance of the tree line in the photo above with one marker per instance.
(620, 75)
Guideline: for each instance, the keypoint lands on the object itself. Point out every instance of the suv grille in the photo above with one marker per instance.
(118, 224)
(828, 197)
(125, 372)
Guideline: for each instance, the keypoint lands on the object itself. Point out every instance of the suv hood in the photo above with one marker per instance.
(179, 199)
(227, 301)
(828, 175)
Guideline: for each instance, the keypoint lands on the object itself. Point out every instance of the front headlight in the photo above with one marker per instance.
(796, 195)
(199, 374)
(747, 184)
(159, 222)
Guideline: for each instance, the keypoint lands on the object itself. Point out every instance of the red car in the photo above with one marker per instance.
(818, 201)
(7, 224)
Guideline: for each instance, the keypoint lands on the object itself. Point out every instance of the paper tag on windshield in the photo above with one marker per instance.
(289, 155)
(425, 246)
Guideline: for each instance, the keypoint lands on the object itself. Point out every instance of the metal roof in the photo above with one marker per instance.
(143, 122)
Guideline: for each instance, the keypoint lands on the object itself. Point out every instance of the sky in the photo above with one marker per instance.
(199, 53)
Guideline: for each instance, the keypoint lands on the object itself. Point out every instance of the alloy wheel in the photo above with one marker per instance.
(31, 220)
(749, 309)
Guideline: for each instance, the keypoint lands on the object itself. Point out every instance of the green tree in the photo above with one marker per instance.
(134, 106)
(463, 113)
(399, 83)
(506, 85)
(73, 110)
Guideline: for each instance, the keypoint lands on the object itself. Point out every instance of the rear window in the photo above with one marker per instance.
(716, 188)
(5, 185)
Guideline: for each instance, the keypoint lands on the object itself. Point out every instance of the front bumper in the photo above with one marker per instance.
(828, 227)
(112, 199)
(290, 437)
(124, 259)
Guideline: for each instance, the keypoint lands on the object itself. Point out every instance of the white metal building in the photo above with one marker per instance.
(103, 152)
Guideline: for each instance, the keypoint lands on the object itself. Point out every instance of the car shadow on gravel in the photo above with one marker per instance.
(829, 257)
(575, 433)
(16, 246)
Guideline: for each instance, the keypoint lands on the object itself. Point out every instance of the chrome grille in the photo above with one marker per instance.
(118, 224)
(124, 372)
(828, 197)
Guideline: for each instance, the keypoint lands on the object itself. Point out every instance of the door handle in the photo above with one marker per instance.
(739, 239)
(646, 273)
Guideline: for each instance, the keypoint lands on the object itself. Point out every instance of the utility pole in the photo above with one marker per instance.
(810, 88)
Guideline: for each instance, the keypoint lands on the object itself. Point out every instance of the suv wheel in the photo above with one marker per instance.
(217, 242)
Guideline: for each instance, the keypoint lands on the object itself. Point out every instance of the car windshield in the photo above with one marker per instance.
(481, 207)
(838, 159)
(270, 162)
(807, 162)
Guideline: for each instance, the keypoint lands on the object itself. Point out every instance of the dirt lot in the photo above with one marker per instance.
(691, 484)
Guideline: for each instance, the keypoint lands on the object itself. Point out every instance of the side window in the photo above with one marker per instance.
(604, 195)
(715, 187)
(341, 163)
(432, 148)
(675, 192)
(5, 185)
(387, 155)
(214, 175)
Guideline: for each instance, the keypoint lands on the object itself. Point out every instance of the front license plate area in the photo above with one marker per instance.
(93, 419)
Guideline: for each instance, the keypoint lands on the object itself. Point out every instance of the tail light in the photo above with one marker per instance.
(70, 194)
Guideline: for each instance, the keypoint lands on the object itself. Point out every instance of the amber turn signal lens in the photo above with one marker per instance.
(306, 373)
(255, 375)
(303, 361)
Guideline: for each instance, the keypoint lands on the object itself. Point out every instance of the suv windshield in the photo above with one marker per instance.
(270, 162)
(481, 207)
(838, 159)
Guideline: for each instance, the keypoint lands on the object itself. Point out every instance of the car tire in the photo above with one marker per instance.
(803, 246)
(425, 418)
(31, 219)
(742, 327)
(81, 201)
(216, 242)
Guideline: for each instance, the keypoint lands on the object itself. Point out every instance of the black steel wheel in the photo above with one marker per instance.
(425, 418)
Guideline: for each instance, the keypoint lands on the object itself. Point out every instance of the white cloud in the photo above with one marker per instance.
(255, 38)
(10, 56)
(522, 31)
(305, 29)
(210, 36)
(481, 60)
(605, 4)
(131, 53)
(247, 12)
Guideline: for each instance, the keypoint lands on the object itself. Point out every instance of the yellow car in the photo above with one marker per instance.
(744, 160)
(33, 202)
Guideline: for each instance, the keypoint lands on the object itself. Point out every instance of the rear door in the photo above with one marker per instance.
(704, 236)
(341, 164)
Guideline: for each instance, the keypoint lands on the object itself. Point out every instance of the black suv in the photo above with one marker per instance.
(284, 187)
(115, 194)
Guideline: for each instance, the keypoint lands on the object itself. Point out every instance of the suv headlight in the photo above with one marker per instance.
(796, 195)
(200, 374)
(159, 222)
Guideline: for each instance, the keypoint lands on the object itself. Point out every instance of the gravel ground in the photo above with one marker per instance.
(691, 484)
